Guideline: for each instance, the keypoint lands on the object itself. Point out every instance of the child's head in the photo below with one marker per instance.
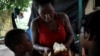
(18, 41)
(90, 31)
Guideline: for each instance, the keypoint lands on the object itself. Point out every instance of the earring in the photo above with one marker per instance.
(85, 35)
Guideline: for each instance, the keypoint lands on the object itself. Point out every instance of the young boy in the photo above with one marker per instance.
(90, 33)
(18, 41)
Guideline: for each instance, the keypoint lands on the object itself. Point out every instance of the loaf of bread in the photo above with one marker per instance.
(59, 47)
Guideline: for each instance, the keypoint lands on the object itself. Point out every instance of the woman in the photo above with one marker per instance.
(50, 27)
(90, 34)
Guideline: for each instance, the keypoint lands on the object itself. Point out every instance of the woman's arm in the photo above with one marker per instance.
(35, 34)
(68, 29)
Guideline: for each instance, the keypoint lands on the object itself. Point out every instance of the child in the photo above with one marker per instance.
(90, 33)
(18, 41)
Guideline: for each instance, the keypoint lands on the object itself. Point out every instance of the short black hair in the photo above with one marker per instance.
(13, 38)
(43, 2)
(91, 25)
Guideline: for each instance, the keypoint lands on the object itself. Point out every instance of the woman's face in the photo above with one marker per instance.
(82, 37)
(47, 13)
(83, 40)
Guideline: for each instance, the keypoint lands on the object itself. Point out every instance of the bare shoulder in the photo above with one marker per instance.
(34, 22)
(63, 16)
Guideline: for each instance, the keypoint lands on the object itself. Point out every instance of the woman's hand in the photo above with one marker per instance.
(46, 51)
(61, 53)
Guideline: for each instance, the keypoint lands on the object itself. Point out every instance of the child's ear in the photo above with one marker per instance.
(19, 47)
(87, 36)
